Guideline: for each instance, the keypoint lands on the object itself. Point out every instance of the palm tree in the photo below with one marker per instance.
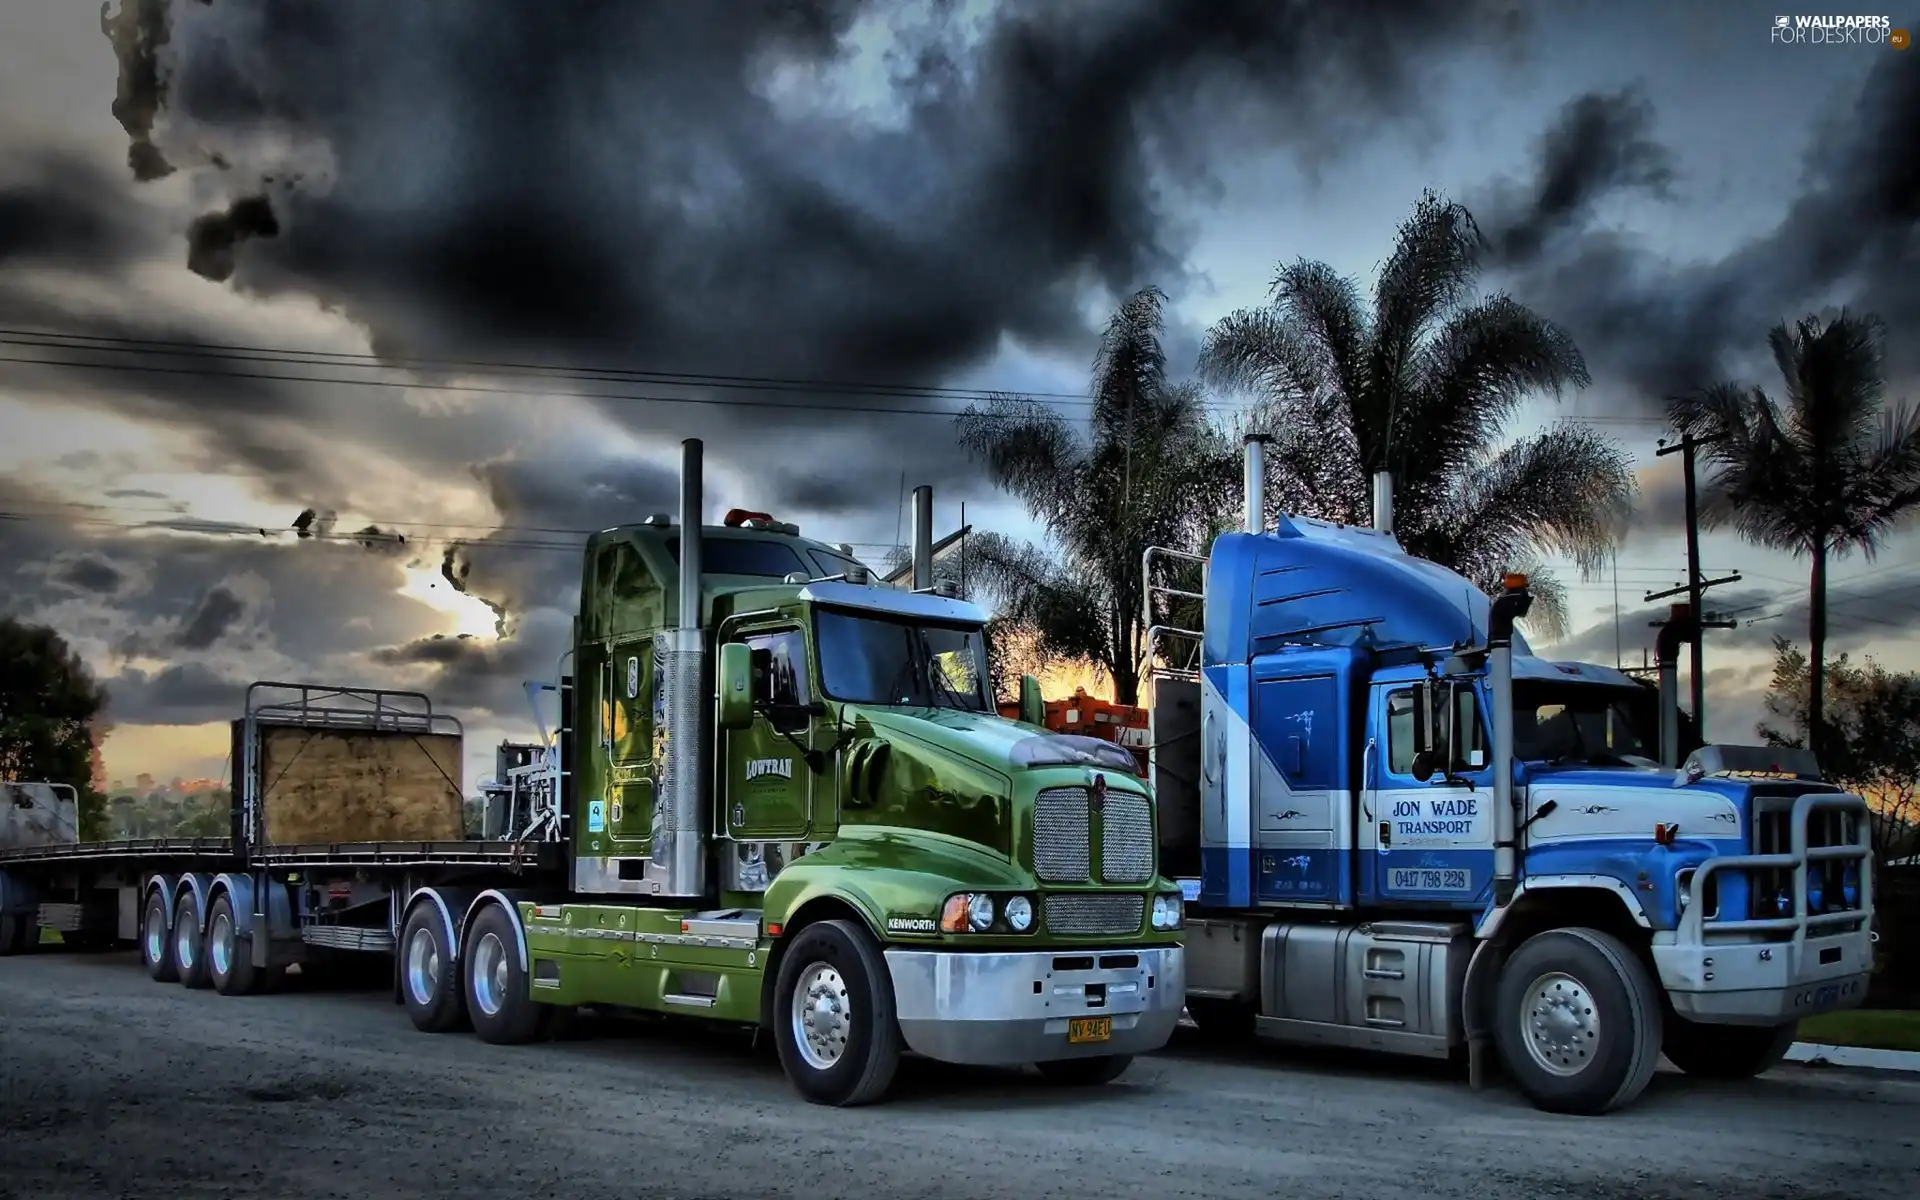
(1831, 473)
(1421, 384)
(1148, 472)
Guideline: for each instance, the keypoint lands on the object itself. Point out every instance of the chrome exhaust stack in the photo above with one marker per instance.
(923, 538)
(679, 858)
(1383, 502)
(1255, 486)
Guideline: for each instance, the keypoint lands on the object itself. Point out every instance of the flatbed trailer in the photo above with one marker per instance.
(778, 796)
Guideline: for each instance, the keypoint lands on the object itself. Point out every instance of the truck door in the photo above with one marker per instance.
(1428, 841)
(768, 785)
(629, 738)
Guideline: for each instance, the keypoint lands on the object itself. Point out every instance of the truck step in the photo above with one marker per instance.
(348, 937)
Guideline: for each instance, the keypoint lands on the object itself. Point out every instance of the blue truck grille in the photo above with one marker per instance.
(1102, 913)
(1831, 886)
(1063, 836)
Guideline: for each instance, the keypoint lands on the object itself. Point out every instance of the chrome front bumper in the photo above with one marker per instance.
(1765, 983)
(1772, 970)
(989, 1009)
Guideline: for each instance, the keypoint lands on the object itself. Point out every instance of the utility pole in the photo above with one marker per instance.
(1685, 447)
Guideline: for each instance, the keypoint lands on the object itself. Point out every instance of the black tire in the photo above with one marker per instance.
(223, 942)
(857, 1050)
(19, 933)
(1726, 1051)
(189, 944)
(1085, 1072)
(156, 940)
(1221, 1022)
(497, 999)
(1582, 1001)
(431, 982)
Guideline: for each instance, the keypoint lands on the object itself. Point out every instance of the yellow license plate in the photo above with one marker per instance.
(1089, 1029)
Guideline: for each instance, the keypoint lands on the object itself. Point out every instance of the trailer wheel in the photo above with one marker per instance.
(833, 1017)
(156, 948)
(189, 944)
(1727, 1051)
(19, 933)
(430, 978)
(1085, 1072)
(229, 958)
(503, 1012)
(1578, 1021)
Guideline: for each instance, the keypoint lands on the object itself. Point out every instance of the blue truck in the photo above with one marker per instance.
(1399, 829)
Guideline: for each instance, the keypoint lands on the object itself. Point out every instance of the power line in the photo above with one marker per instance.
(102, 343)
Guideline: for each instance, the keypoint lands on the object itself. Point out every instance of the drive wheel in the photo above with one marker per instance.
(1578, 1021)
(229, 956)
(1727, 1051)
(497, 992)
(430, 980)
(189, 944)
(156, 948)
(1085, 1072)
(833, 1019)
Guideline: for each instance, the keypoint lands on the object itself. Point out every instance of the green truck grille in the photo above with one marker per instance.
(1063, 836)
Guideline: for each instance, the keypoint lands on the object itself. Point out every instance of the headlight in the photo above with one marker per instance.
(980, 913)
(1020, 914)
(1166, 912)
(1682, 886)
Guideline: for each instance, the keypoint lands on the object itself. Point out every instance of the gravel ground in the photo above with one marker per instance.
(111, 1085)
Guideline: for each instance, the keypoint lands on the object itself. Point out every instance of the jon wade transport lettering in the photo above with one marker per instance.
(1438, 822)
(1825, 30)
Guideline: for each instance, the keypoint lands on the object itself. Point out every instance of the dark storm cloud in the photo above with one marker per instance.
(648, 204)
(89, 573)
(1663, 329)
(214, 238)
(216, 613)
(58, 210)
(188, 693)
(1601, 143)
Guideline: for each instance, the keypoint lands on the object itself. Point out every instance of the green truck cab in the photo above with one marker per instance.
(791, 803)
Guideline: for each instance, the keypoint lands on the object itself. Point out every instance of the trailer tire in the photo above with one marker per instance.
(496, 987)
(1727, 1051)
(223, 944)
(843, 1047)
(189, 944)
(1085, 1072)
(1578, 1021)
(431, 983)
(19, 933)
(156, 946)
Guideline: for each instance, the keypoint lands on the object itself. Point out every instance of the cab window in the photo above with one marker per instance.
(1471, 754)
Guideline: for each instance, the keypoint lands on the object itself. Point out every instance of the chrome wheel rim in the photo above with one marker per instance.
(183, 941)
(822, 1016)
(490, 974)
(220, 945)
(1560, 1024)
(423, 966)
(156, 936)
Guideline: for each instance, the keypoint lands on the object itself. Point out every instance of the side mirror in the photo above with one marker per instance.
(1033, 706)
(1422, 724)
(736, 685)
(1423, 765)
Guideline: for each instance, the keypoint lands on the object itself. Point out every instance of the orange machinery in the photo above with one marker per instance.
(1089, 716)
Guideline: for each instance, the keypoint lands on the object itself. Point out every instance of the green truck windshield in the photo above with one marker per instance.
(871, 659)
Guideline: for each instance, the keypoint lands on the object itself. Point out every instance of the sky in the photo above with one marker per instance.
(492, 263)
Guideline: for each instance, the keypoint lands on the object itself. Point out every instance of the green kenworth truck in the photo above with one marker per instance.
(779, 796)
